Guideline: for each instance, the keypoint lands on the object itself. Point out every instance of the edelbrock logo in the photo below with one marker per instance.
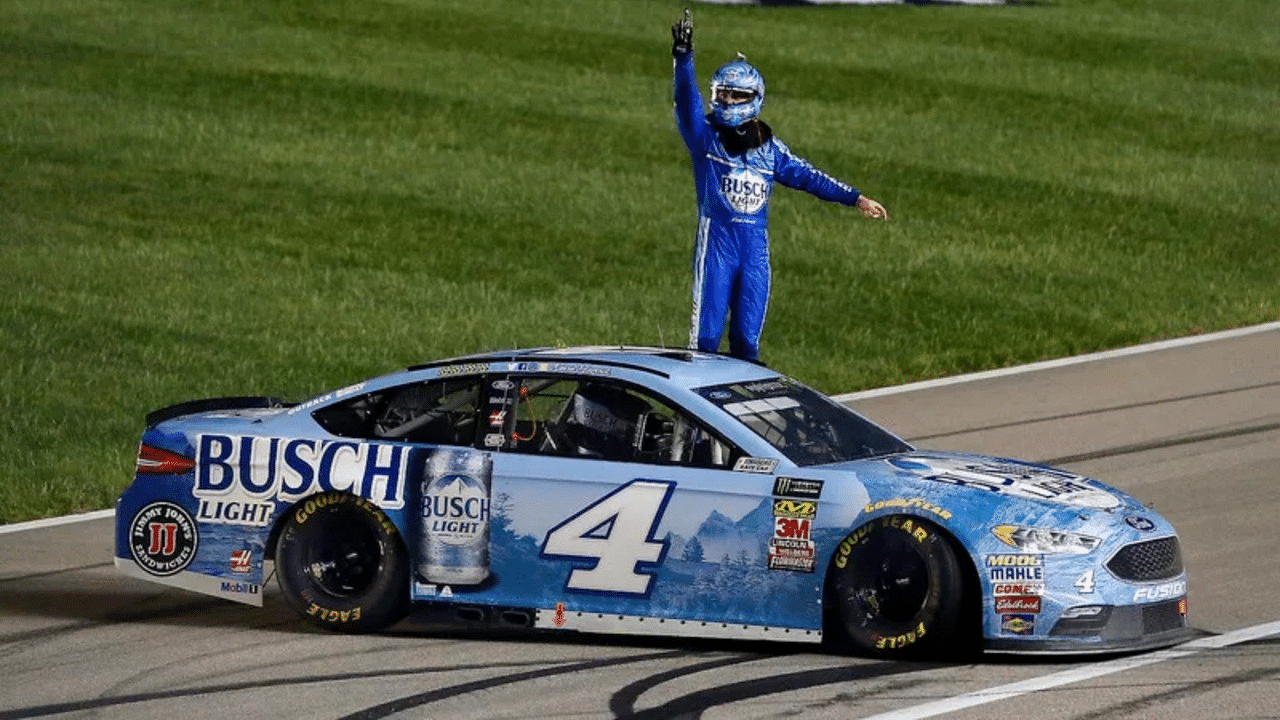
(265, 468)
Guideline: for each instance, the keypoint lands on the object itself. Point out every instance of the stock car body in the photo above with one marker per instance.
(640, 491)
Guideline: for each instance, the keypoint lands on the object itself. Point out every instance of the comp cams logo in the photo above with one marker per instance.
(163, 539)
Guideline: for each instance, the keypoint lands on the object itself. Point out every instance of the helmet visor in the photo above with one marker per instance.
(733, 96)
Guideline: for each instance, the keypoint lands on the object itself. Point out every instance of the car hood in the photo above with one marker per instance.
(996, 477)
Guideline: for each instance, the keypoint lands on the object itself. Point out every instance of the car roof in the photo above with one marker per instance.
(688, 368)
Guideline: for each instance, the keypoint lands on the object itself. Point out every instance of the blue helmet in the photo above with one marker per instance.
(737, 92)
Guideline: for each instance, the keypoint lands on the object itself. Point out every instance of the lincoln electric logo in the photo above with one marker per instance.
(745, 190)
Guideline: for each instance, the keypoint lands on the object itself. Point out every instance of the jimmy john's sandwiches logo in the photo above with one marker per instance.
(246, 467)
(745, 190)
(163, 539)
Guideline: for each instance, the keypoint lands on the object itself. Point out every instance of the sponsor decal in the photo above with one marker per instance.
(502, 385)
(797, 487)
(560, 367)
(494, 440)
(163, 538)
(1015, 568)
(1043, 540)
(783, 507)
(1182, 607)
(798, 559)
(909, 504)
(235, 512)
(1164, 591)
(497, 417)
(1018, 624)
(1010, 478)
(792, 547)
(1013, 560)
(560, 620)
(1015, 574)
(467, 369)
(1138, 522)
(327, 397)
(762, 466)
(1019, 588)
(1018, 604)
(900, 641)
(247, 467)
(766, 386)
(241, 588)
(241, 561)
(745, 190)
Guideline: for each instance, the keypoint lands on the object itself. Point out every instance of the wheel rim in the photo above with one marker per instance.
(344, 560)
(890, 581)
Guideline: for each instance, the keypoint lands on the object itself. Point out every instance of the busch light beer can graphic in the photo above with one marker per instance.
(454, 544)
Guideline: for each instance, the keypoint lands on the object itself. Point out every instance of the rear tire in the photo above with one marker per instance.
(898, 588)
(342, 565)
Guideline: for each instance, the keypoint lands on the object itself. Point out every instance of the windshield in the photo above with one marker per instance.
(804, 425)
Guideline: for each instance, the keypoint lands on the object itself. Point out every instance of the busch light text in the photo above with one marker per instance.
(289, 470)
(454, 543)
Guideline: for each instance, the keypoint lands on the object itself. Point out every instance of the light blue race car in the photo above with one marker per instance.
(640, 491)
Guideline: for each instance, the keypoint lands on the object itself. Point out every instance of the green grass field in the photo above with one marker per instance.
(284, 196)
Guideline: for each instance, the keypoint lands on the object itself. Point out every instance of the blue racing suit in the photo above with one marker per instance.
(731, 272)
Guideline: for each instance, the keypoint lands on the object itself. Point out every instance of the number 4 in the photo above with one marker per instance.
(617, 533)
(1085, 584)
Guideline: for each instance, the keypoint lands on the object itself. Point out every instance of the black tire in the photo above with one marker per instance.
(341, 564)
(898, 589)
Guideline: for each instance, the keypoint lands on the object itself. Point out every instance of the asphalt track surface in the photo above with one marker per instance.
(1191, 428)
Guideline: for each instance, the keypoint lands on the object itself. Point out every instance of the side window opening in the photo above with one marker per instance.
(439, 412)
(603, 420)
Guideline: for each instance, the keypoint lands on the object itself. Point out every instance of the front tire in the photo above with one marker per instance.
(898, 588)
(342, 565)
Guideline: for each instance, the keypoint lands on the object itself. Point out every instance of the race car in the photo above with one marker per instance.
(640, 491)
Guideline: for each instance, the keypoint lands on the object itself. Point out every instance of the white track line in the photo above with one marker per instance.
(1061, 362)
(1074, 675)
(51, 522)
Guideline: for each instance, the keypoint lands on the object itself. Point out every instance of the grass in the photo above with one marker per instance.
(285, 196)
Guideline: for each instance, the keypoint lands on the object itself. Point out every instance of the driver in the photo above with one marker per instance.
(736, 160)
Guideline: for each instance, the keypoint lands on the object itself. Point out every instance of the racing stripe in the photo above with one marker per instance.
(699, 275)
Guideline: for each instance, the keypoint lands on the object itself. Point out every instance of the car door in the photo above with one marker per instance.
(613, 508)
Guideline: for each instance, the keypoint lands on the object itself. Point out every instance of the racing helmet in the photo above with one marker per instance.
(737, 92)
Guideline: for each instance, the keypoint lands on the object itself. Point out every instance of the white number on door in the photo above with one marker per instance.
(617, 532)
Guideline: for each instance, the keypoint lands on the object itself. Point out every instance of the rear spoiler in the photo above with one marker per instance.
(191, 407)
